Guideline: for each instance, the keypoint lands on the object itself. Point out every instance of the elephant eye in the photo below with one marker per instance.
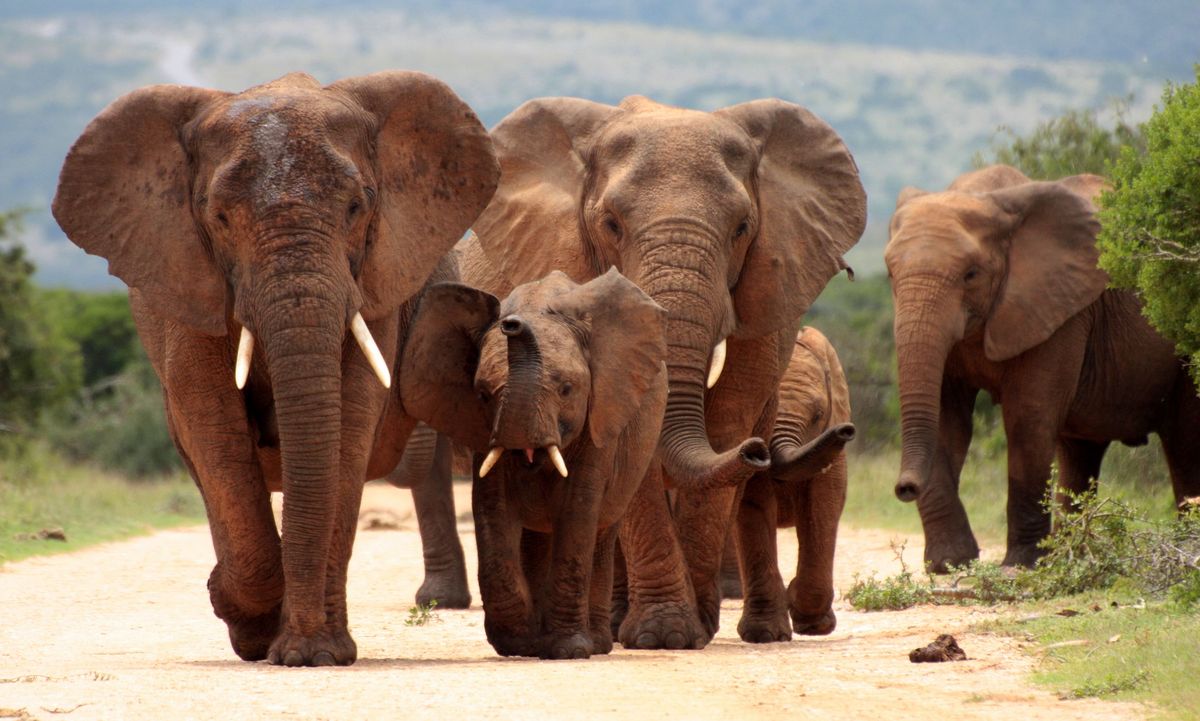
(612, 226)
(565, 390)
(224, 219)
(971, 274)
(355, 205)
(485, 397)
(742, 229)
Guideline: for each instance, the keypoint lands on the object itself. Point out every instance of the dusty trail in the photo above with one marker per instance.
(125, 631)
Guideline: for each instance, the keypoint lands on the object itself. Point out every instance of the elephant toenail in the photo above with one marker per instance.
(293, 658)
(675, 640)
(324, 658)
(645, 640)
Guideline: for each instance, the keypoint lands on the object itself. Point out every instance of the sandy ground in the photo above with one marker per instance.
(125, 631)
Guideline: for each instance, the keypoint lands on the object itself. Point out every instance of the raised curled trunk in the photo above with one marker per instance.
(302, 331)
(678, 282)
(924, 337)
(794, 462)
(517, 421)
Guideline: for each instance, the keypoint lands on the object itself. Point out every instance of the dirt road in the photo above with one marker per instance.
(125, 631)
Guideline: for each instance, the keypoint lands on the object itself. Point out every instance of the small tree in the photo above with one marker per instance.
(1073, 143)
(1150, 237)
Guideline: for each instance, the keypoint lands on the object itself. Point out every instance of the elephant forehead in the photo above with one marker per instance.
(665, 140)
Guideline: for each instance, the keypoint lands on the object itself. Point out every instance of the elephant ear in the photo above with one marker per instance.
(908, 193)
(439, 360)
(627, 347)
(532, 225)
(1052, 266)
(812, 209)
(436, 170)
(124, 193)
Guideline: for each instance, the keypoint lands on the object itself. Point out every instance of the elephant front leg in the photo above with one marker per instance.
(601, 596)
(949, 540)
(1030, 453)
(765, 610)
(1078, 469)
(662, 606)
(507, 604)
(818, 509)
(445, 566)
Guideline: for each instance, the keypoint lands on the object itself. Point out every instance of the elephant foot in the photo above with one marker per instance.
(939, 557)
(449, 589)
(765, 627)
(664, 625)
(602, 640)
(819, 624)
(1024, 555)
(575, 645)
(251, 637)
(515, 644)
(330, 647)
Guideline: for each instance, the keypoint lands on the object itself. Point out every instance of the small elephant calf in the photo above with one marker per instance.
(561, 391)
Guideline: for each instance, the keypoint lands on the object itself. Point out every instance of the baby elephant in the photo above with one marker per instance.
(560, 390)
(806, 488)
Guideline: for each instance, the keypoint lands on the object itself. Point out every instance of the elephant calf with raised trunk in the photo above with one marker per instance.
(996, 288)
(266, 236)
(560, 389)
(805, 488)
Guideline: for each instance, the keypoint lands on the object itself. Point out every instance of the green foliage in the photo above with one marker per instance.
(423, 614)
(1150, 237)
(100, 325)
(1111, 685)
(892, 593)
(1070, 144)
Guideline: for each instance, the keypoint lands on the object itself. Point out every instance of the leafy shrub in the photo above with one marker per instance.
(893, 593)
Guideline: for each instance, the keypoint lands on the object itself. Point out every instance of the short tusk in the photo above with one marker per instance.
(362, 334)
(717, 365)
(557, 459)
(492, 456)
(245, 351)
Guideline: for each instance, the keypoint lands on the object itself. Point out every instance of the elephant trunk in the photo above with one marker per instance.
(923, 342)
(794, 462)
(518, 421)
(687, 455)
(302, 329)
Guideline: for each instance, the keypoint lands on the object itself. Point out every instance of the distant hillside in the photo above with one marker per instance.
(911, 116)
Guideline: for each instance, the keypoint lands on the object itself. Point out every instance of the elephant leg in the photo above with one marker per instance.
(662, 606)
(433, 495)
(765, 610)
(600, 598)
(731, 575)
(818, 510)
(1078, 469)
(1181, 444)
(565, 619)
(620, 588)
(246, 585)
(949, 540)
(703, 521)
(1031, 446)
(507, 600)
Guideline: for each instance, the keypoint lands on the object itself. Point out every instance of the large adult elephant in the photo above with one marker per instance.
(733, 221)
(266, 236)
(996, 288)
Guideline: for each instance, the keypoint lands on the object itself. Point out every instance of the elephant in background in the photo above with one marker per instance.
(272, 241)
(733, 221)
(996, 288)
(563, 387)
(426, 469)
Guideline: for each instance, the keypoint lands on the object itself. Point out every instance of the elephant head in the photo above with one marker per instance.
(813, 423)
(556, 364)
(996, 258)
(733, 221)
(285, 214)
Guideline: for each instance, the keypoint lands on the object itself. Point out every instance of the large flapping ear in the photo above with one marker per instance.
(436, 172)
(1052, 265)
(532, 225)
(439, 359)
(988, 178)
(907, 193)
(812, 209)
(627, 347)
(124, 194)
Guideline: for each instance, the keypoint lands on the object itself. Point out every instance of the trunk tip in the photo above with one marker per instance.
(845, 432)
(908, 487)
(755, 454)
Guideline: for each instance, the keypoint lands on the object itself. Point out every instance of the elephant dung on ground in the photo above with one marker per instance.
(267, 236)
(996, 288)
(733, 221)
(560, 389)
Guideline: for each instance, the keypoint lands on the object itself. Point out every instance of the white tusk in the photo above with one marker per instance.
(245, 351)
(362, 334)
(717, 365)
(557, 459)
(492, 456)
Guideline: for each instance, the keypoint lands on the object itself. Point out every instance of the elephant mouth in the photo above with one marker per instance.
(528, 458)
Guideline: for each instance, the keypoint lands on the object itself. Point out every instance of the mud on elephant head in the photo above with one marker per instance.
(554, 368)
(733, 221)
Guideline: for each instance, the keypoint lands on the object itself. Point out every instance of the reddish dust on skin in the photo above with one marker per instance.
(125, 631)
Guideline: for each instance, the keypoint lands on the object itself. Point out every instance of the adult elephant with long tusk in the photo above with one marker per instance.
(272, 240)
(733, 221)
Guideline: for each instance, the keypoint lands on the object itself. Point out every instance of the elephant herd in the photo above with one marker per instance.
(617, 340)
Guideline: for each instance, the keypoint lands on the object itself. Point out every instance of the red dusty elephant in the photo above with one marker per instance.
(267, 236)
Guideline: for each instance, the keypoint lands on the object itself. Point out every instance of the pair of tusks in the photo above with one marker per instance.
(717, 365)
(494, 455)
(358, 327)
